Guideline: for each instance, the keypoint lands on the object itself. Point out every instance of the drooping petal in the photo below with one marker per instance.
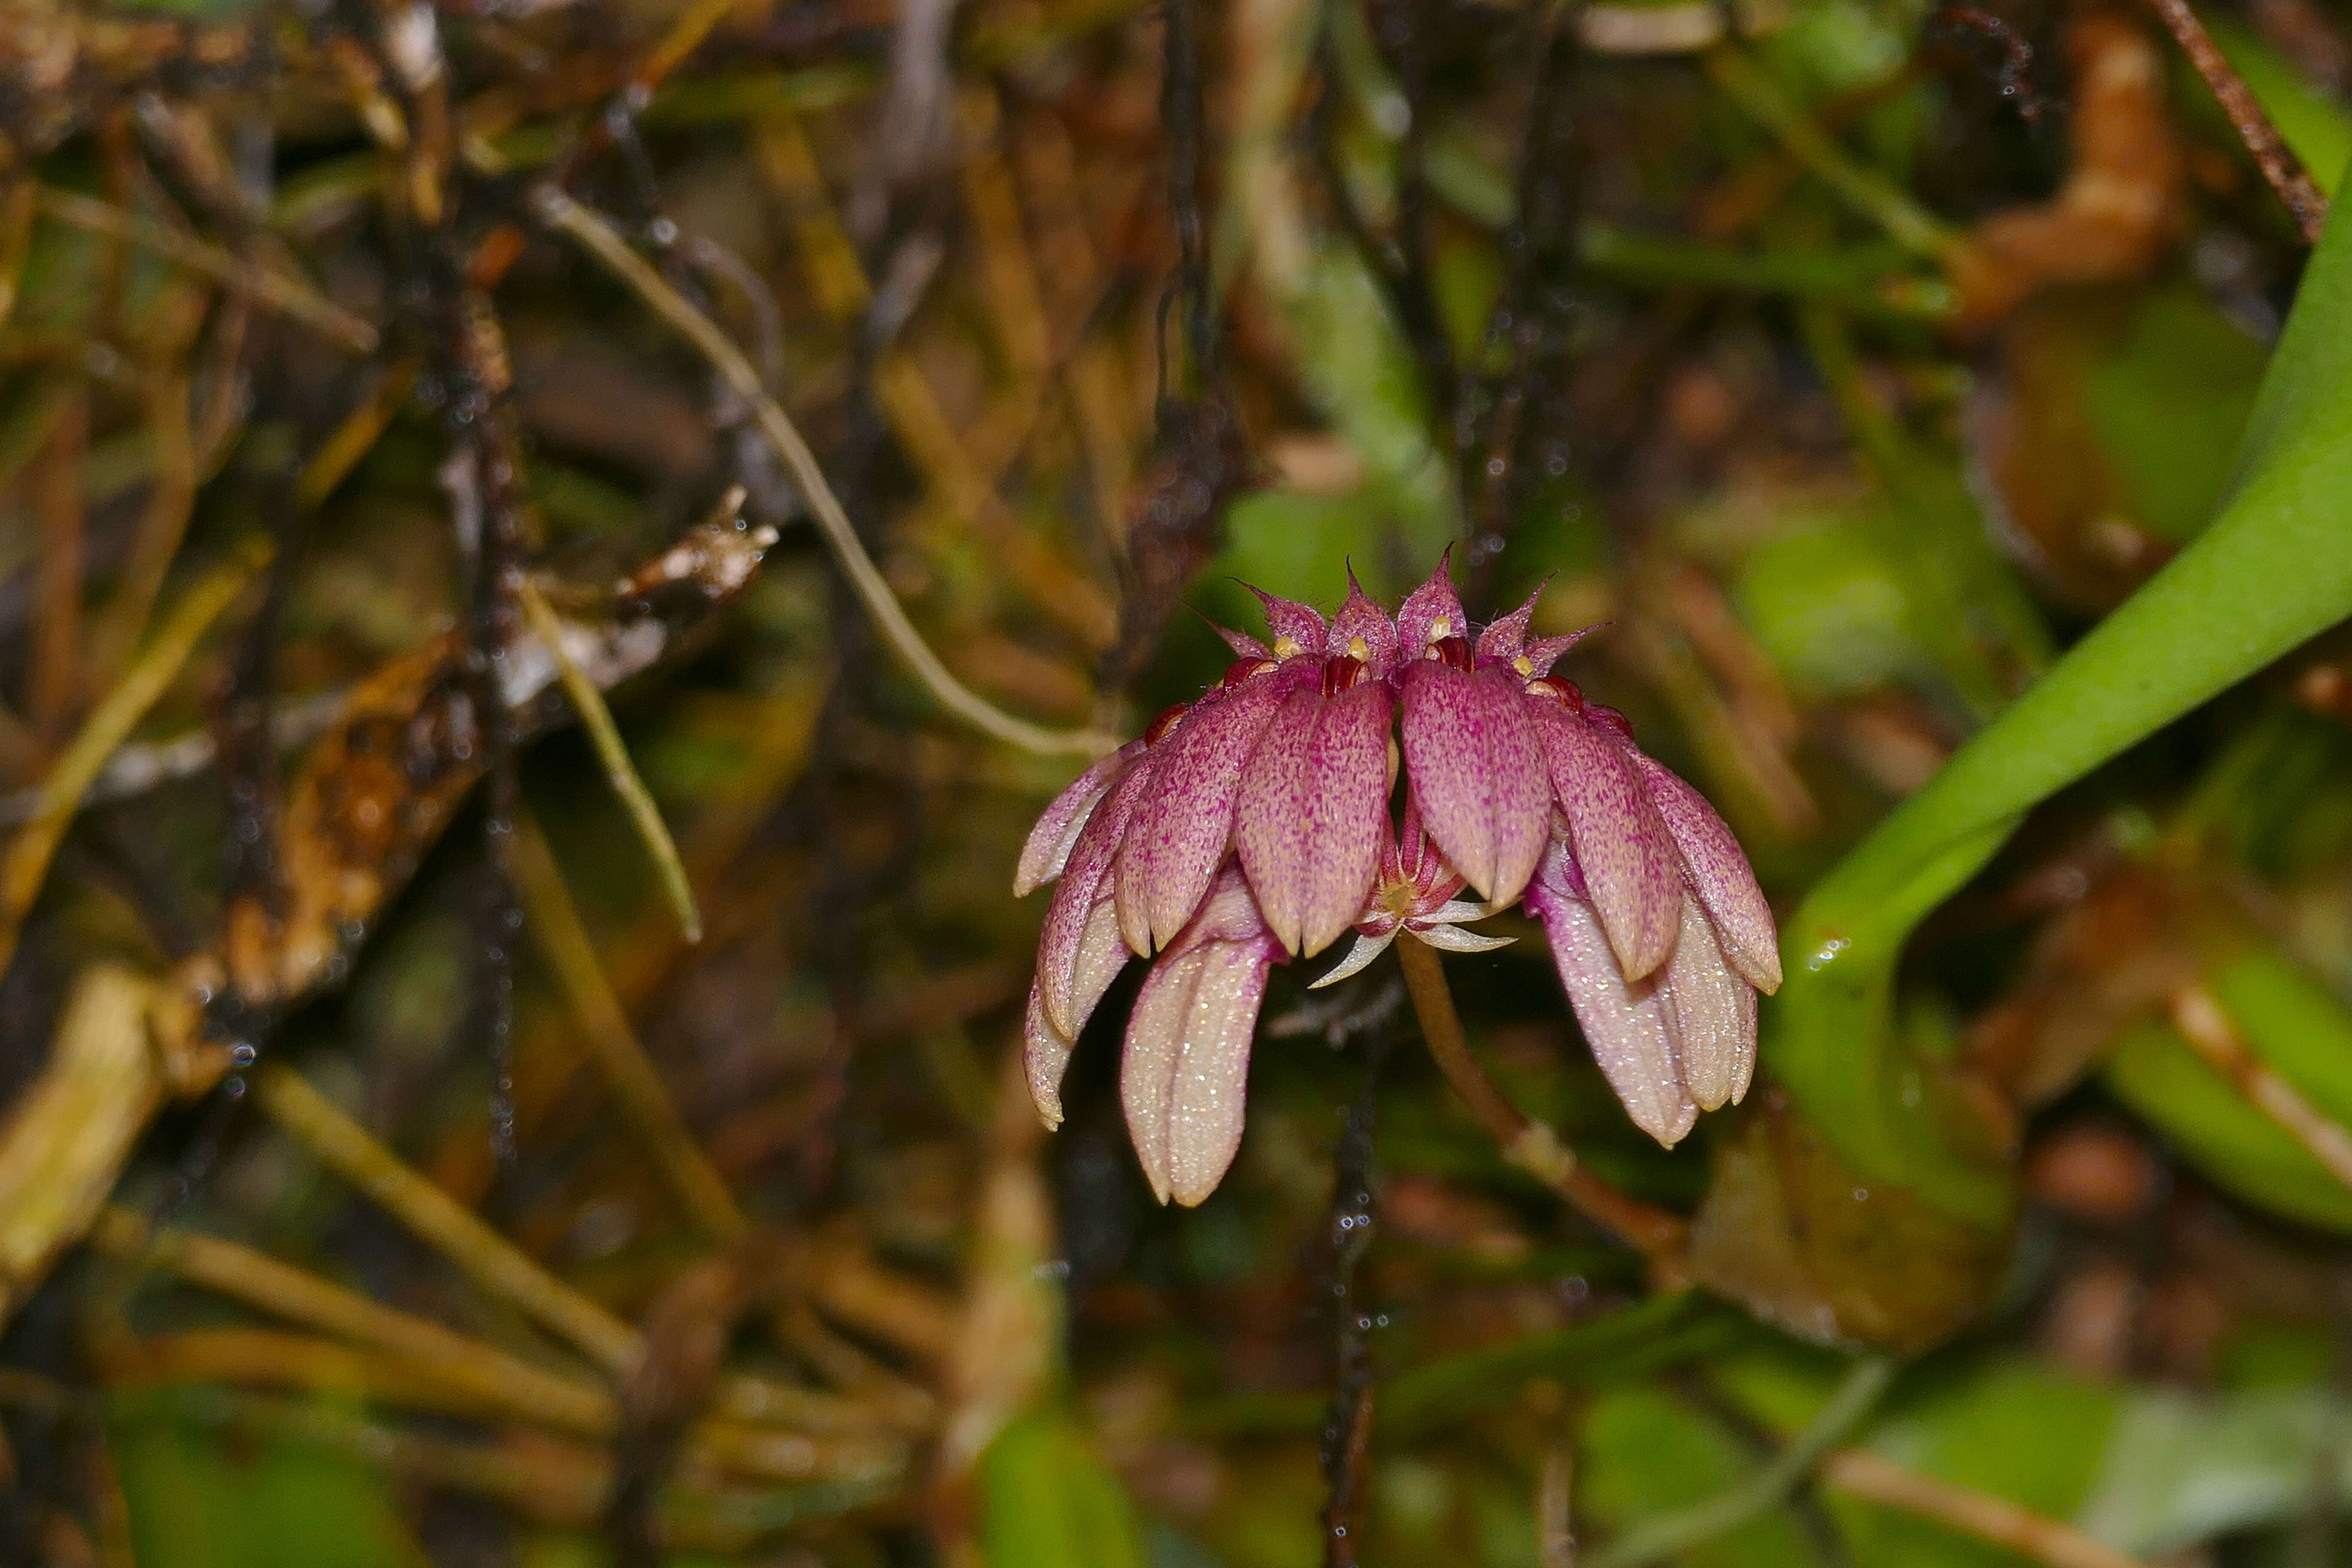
(1621, 845)
(1711, 1012)
(1084, 881)
(1431, 613)
(1050, 842)
(1625, 1027)
(1290, 621)
(1369, 946)
(1362, 631)
(1179, 834)
(1045, 1057)
(1308, 825)
(1188, 1046)
(1478, 772)
(1506, 639)
(1720, 873)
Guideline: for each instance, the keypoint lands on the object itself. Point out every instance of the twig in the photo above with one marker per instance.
(1972, 1513)
(597, 719)
(2279, 165)
(138, 768)
(290, 297)
(1529, 1144)
(151, 674)
(555, 924)
(2206, 1027)
(598, 238)
(1663, 1538)
(352, 440)
(489, 1259)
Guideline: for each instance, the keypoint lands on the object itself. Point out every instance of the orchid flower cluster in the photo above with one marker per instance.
(1252, 825)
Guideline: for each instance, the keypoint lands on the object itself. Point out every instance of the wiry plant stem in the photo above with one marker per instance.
(1527, 1144)
(2280, 166)
(599, 239)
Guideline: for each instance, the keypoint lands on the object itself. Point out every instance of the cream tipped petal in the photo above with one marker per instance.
(1719, 872)
(1431, 613)
(1044, 1058)
(1362, 630)
(1368, 947)
(1711, 1012)
(1050, 842)
(1290, 618)
(1308, 823)
(1180, 835)
(1479, 774)
(1626, 1028)
(1622, 849)
(1182, 1077)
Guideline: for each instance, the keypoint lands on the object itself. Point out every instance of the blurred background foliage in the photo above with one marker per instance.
(1940, 407)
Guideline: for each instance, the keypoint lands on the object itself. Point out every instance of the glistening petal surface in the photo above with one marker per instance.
(1313, 801)
(1182, 1077)
(1711, 1011)
(1050, 842)
(1180, 832)
(1629, 862)
(1625, 1027)
(1720, 873)
(1479, 775)
(1083, 880)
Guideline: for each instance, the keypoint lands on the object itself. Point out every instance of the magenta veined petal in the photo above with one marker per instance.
(1313, 802)
(1626, 1028)
(1186, 1066)
(1179, 834)
(1362, 631)
(1479, 775)
(1431, 613)
(1711, 1012)
(1719, 872)
(1056, 833)
(1289, 620)
(1621, 845)
(1084, 881)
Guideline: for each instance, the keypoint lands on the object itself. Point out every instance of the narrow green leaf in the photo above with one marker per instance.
(2272, 571)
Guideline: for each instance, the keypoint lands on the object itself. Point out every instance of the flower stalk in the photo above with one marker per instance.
(1527, 1144)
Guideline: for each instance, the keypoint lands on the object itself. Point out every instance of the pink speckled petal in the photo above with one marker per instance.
(1478, 772)
(1362, 630)
(1506, 639)
(1711, 1012)
(1545, 652)
(1056, 833)
(1182, 832)
(1288, 618)
(1188, 1047)
(1719, 872)
(1626, 1028)
(1621, 845)
(1101, 954)
(1434, 602)
(1044, 1058)
(1308, 825)
(1244, 644)
(1084, 882)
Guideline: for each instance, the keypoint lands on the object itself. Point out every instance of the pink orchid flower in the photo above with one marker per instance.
(1252, 826)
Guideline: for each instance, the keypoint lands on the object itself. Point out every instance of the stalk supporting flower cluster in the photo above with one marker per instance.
(1253, 826)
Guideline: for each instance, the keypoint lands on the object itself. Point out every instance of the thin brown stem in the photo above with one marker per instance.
(1527, 1144)
(1987, 1518)
(2279, 165)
